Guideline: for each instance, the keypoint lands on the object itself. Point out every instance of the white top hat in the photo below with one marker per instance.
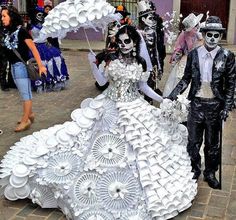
(191, 21)
(144, 7)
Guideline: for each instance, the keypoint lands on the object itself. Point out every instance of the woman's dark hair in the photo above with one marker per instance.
(15, 17)
(135, 36)
(48, 6)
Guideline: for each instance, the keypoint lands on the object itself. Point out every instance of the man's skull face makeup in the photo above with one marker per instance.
(125, 43)
(149, 20)
(39, 16)
(212, 38)
(113, 28)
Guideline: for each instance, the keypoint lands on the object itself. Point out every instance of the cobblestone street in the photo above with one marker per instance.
(56, 107)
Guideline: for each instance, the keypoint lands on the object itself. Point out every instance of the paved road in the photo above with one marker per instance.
(54, 108)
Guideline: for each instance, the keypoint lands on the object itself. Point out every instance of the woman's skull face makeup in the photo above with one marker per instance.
(125, 43)
(149, 20)
(212, 38)
(39, 16)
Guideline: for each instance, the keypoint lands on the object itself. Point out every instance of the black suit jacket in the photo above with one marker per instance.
(223, 77)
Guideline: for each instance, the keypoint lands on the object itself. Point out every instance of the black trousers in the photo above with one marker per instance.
(204, 121)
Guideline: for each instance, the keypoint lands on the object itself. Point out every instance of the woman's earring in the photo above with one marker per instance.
(134, 52)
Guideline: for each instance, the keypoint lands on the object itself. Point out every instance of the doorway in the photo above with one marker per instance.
(218, 8)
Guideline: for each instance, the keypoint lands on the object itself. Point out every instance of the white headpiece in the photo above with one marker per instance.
(191, 21)
(144, 7)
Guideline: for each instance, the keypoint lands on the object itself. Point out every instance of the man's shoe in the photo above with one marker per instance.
(212, 181)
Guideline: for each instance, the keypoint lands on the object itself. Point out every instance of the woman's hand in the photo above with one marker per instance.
(42, 70)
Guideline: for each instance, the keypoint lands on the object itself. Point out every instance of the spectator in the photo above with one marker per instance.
(17, 38)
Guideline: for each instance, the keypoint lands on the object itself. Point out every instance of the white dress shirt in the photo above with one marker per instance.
(206, 59)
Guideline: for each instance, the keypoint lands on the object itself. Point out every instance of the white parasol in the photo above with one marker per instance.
(74, 14)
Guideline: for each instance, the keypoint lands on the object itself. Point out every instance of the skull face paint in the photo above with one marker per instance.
(212, 38)
(149, 20)
(125, 43)
(39, 16)
(113, 28)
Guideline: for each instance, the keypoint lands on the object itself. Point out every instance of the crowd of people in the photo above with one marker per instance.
(120, 157)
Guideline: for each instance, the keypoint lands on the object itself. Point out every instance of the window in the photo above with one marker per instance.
(131, 6)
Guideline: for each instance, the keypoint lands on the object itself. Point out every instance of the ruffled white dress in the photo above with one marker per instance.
(119, 158)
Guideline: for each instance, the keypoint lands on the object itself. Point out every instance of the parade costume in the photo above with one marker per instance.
(147, 27)
(57, 74)
(187, 40)
(119, 157)
(111, 45)
(211, 71)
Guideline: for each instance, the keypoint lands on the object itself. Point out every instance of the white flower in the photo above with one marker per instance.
(117, 190)
(183, 100)
(88, 188)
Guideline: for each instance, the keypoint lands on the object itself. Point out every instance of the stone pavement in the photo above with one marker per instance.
(54, 108)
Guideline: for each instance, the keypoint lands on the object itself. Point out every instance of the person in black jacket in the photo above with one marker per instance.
(211, 71)
(149, 24)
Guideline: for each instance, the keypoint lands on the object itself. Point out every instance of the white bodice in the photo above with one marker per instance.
(124, 80)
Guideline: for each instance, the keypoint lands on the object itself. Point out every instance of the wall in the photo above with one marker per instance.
(231, 29)
(163, 6)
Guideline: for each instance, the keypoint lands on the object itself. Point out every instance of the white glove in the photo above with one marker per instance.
(97, 73)
(143, 86)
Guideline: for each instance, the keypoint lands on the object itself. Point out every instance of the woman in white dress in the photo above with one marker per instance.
(119, 157)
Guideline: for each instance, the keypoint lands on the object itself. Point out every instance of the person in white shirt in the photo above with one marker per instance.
(211, 71)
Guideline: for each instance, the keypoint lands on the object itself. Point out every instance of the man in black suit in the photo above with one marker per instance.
(211, 71)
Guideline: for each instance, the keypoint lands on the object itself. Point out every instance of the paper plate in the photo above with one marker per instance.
(62, 136)
(18, 182)
(85, 102)
(88, 125)
(95, 104)
(22, 192)
(52, 142)
(40, 151)
(89, 113)
(72, 128)
(100, 97)
(20, 170)
(27, 160)
(9, 193)
(76, 114)
(84, 122)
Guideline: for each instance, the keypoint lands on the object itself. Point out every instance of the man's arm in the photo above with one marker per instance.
(186, 79)
(230, 74)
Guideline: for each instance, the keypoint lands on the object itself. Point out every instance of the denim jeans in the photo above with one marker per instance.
(22, 80)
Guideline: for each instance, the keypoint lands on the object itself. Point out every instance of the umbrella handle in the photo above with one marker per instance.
(90, 49)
